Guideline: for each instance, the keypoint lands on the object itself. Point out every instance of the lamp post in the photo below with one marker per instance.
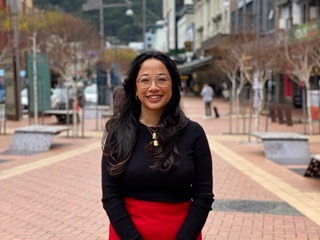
(35, 82)
(98, 5)
(144, 24)
(14, 12)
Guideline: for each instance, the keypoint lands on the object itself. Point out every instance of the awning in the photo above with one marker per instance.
(189, 67)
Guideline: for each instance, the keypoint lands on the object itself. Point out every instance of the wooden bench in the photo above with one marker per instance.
(35, 138)
(62, 115)
(281, 113)
(285, 147)
(313, 169)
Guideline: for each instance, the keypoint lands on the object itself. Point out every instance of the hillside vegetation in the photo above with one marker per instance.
(116, 23)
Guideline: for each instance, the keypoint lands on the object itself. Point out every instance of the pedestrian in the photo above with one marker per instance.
(207, 97)
(117, 94)
(225, 91)
(156, 163)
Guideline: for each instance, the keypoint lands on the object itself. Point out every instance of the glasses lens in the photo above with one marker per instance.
(144, 82)
(162, 81)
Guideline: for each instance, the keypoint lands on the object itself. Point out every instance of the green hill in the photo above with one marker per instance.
(116, 23)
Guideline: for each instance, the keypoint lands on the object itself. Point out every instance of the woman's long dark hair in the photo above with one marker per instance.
(121, 130)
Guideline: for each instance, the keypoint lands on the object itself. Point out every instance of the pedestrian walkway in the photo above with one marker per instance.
(56, 194)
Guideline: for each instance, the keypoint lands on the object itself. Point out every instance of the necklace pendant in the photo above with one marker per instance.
(154, 135)
(155, 143)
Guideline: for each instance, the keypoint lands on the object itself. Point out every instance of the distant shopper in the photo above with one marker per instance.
(117, 94)
(156, 162)
(207, 97)
(225, 91)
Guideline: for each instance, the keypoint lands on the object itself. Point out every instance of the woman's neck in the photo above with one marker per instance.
(150, 119)
(149, 122)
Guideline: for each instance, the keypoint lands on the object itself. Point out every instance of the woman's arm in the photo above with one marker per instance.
(202, 187)
(113, 204)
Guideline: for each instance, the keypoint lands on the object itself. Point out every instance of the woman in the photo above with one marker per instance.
(156, 163)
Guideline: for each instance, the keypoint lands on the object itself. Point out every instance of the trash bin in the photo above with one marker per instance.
(314, 103)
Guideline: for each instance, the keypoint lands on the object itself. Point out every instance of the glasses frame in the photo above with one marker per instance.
(155, 79)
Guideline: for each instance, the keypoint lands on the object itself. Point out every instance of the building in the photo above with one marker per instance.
(155, 37)
(210, 20)
(169, 16)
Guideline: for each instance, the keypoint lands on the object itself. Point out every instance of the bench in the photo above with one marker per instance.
(62, 115)
(282, 113)
(35, 138)
(96, 111)
(313, 169)
(285, 147)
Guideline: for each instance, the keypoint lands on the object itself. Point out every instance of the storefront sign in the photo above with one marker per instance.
(304, 32)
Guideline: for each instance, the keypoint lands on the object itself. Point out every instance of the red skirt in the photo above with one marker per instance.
(155, 220)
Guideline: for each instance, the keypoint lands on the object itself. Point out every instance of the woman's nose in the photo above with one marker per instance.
(153, 84)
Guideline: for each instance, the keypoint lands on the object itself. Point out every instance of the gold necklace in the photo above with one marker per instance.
(153, 134)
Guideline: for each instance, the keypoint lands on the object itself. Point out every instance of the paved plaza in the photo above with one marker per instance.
(56, 194)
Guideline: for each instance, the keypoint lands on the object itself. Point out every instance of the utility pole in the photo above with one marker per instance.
(144, 24)
(101, 19)
(14, 13)
(98, 5)
(35, 79)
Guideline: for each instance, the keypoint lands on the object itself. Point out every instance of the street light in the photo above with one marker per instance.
(98, 5)
(144, 11)
(14, 12)
(35, 79)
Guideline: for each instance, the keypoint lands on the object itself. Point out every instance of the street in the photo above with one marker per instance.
(56, 194)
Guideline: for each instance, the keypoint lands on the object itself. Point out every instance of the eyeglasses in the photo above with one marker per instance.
(160, 80)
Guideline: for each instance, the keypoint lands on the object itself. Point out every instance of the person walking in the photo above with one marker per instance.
(156, 163)
(207, 97)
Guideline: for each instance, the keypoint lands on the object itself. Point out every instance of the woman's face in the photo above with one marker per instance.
(153, 85)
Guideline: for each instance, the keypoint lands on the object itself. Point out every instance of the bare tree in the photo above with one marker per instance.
(233, 52)
(3, 53)
(69, 41)
(300, 61)
(4, 27)
(262, 59)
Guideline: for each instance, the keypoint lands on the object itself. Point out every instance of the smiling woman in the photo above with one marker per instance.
(153, 95)
(156, 163)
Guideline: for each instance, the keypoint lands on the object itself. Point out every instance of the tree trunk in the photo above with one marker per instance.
(237, 105)
(256, 107)
(233, 94)
(308, 103)
(262, 97)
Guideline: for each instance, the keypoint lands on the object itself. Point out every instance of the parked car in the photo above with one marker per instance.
(25, 99)
(91, 94)
(62, 95)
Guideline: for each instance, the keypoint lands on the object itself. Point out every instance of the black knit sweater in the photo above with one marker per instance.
(191, 180)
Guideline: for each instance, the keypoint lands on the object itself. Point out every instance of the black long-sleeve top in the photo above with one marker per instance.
(191, 180)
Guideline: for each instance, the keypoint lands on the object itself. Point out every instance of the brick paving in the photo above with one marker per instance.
(56, 194)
